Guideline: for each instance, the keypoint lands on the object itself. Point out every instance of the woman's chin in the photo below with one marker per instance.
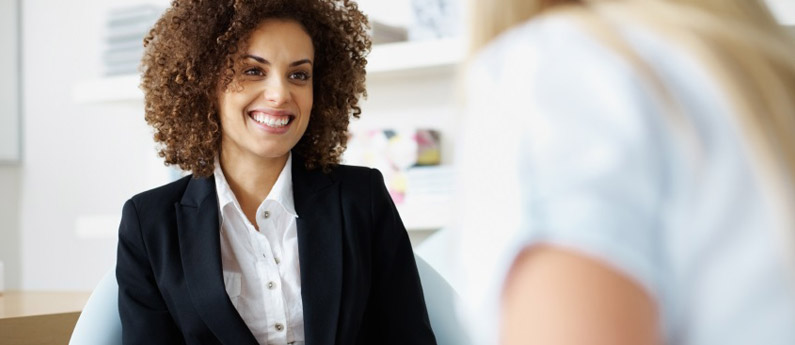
(271, 153)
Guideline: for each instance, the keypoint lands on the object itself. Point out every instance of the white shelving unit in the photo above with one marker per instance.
(407, 57)
(388, 64)
(385, 60)
(422, 217)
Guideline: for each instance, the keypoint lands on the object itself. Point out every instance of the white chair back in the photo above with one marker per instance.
(99, 323)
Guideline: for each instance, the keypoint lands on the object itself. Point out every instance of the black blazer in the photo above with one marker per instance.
(359, 281)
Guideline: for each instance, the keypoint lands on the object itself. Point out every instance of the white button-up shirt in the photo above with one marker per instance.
(261, 270)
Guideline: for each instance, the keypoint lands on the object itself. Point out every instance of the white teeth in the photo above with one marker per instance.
(271, 121)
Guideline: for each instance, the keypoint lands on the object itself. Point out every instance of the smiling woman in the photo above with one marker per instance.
(270, 241)
(266, 109)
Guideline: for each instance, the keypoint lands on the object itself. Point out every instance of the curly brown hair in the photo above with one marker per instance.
(192, 49)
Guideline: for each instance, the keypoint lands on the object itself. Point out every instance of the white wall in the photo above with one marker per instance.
(10, 241)
(9, 145)
(81, 162)
(9, 99)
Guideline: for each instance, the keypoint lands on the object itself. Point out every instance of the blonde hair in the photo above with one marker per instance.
(738, 42)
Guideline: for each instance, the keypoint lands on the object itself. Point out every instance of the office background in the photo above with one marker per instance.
(74, 145)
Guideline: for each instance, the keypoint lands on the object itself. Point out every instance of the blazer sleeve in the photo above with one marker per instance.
(142, 310)
(397, 302)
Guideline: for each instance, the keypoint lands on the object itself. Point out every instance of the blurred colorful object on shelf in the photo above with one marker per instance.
(393, 152)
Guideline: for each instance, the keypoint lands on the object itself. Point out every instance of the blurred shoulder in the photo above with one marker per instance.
(534, 39)
(545, 45)
(539, 68)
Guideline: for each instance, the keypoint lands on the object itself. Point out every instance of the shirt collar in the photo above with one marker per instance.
(225, 195)
(282, 191)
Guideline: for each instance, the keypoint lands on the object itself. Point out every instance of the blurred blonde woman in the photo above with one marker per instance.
(628, 172)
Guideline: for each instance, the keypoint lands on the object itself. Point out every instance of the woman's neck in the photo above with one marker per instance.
(251, 178)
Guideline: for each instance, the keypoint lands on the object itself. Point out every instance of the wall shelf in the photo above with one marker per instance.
(424, 217)
(385, 60)
(407, 57)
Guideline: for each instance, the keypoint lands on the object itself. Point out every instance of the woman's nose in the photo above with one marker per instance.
(276, 92)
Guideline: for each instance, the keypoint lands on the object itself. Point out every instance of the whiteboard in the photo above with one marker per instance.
(9, 82)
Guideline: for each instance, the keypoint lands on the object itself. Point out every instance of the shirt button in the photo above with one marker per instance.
(271, 285)
(277, 260)
(279, 327)
(266, 214)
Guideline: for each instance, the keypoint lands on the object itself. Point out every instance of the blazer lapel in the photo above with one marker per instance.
(200, 248)
(317, 202)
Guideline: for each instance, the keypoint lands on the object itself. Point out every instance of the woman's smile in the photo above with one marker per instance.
(272, 121)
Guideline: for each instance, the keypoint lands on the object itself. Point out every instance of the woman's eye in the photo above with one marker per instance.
(303, 76)
(253, 72)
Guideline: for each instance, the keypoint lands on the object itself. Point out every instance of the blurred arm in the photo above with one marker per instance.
(555, 296)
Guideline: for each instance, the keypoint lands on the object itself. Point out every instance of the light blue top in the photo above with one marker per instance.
(565, 144)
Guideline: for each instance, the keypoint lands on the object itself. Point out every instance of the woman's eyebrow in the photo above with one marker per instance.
(256, 58)
(301, 62)
(266, 62)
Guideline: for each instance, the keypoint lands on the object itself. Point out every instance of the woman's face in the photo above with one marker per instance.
(265, 110)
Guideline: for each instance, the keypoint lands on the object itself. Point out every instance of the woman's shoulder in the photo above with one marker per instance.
(162, 197)
(354, 176)
(350, 173)
(359, 182)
